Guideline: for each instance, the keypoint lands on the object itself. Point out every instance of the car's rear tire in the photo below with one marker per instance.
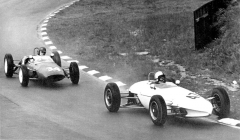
(221, 102)
(74, 72)
(56, 58)
(23, 76)
(8, 65)
(112, 97)
(158, 110)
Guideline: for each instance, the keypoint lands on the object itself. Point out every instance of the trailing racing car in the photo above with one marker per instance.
(164, 97)
(40, 66)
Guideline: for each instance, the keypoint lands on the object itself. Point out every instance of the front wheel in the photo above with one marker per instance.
(220, 102)
(23, 76)
(8, 65)
(112, 97)
(158, 110)
(74, 72)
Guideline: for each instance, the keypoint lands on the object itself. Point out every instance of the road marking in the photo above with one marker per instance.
(45, 21)
(73, 61)
(66, 57)
(45, 38)
(119, 83)
(229, 121)
(225, 121)
(82, 67)
(52, 15)
(52, 47)
(92, 72)
(44, 25)
(60, 52)
(49, 43)
(105, 78)
(43, 29)
(43, 33)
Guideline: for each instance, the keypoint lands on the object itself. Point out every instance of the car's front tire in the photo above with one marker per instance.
(8, 65)
(74, 72)
(112, 97)
(23, 76)
(158, 110)
(220, 102)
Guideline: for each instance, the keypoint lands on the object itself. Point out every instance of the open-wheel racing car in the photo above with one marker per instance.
(163, 97)
(41, 67)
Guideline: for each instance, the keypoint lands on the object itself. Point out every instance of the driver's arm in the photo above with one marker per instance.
(24, 60)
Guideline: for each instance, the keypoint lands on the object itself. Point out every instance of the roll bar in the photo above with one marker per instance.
(149, 74)
(35, 51)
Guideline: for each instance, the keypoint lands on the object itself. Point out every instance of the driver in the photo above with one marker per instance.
(42, 51)
(27, 59)
(160, 77)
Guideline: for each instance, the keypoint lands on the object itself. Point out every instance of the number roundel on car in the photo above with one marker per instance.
(53, 69)
(193, 96)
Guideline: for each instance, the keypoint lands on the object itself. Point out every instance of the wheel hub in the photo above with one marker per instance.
(154, 110)
(108, 97)
(216, 103)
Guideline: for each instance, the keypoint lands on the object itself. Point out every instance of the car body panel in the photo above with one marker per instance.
(174, 96)
(46, 68)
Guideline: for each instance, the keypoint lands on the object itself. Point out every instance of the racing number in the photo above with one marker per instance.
(192, 95)
(53, 69)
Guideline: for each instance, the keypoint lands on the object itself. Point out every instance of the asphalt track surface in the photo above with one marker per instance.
(64, 111)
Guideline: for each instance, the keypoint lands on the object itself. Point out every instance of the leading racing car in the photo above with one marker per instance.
(41, 67)
(163, 97)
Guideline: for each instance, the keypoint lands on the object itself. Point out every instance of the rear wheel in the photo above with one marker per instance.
(56, 58)
(74, 72)
(158, 110)
(221, 102)
(23, 76)
(8, 65)
(112, 97)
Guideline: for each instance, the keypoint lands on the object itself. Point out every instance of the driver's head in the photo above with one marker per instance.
(42, 51)
(160, 77)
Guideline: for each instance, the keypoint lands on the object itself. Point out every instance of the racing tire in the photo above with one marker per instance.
(8, 65)
(112, 97)
(56, 58)
(74, 72)
(221, 102)
(23, 76)
(158, 110)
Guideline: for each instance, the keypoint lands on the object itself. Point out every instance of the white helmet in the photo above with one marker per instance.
(159, 76)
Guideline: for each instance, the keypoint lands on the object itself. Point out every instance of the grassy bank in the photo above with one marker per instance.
(97, 32)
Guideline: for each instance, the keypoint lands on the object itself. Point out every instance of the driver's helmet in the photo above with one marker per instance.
(42, 51)
(160, 76)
